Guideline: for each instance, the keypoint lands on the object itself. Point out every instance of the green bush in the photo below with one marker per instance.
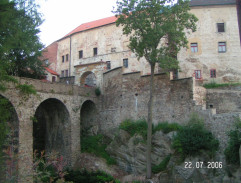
(84, 176)
(193, 138)
(232, 151)
(27, 89)
(135, 127)
(162, 166)
(216, 85)
(166, 127)
(95, 145)
(97, 92)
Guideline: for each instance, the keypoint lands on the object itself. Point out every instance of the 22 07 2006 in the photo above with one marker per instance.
(200, 164)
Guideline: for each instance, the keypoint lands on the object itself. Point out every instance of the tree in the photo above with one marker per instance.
(157, 31)
(20, 47)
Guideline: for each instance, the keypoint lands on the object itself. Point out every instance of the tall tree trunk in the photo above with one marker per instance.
(149, 122)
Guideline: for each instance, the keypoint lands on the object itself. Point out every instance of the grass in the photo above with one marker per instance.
(162, 166)
(95, 145)
(140, 127)
(216, 85)
(166, 127)
(135, 127)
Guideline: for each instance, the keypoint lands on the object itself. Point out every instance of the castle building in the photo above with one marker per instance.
(84, 54)
(214, 49)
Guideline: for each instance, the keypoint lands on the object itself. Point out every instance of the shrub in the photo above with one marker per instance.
(97, 92)
(27, 89)
(232, 151)
(216, 85)
(48, 168)
(84, 176)
(166, 127)
(95, 145)
(193, 138)
(135, 127)
(162, 166)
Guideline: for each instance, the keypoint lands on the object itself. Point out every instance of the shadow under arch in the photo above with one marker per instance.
(88, 79)
(9, 140)
(89, 118)
(52, 129)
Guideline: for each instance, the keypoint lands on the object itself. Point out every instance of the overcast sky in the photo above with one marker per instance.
(62, 16)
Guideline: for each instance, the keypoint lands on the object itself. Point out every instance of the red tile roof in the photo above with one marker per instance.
(93, 24)
(51, 71)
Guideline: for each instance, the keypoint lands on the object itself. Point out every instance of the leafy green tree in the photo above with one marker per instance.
(20, 47)
(157, 31)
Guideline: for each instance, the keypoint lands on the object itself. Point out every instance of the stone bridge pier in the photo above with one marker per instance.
(49, 121)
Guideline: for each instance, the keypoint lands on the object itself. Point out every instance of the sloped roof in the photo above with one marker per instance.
(211, 2)
(93, 24)
(51, 71)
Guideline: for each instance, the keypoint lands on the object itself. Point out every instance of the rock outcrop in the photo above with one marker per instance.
(130, 152)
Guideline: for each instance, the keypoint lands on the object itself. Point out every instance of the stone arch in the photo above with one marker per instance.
(89, 118)
(9, 166)
(52, 128)
(88, 79)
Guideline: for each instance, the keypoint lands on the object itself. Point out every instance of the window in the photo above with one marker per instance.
(81, 54)
(62, 73)
(220, 27)
(62, 59)
(67, 57)
(198, 74)
(113, 49)
(213, 73)
(66, 73)
(194, 47)
(221, 47)
(125, 62)
(108, 65)
(95, 51)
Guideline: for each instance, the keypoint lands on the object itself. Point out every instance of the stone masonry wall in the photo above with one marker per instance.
(227, 99)
(72, 97)
(126, 97)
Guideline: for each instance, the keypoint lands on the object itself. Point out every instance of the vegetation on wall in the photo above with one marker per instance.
(26, 89)
(20, 49)
(97, 92)
(135, 127)
(162, 166)
(96, 146)
(217, 85)
(232, 151)
(166, 127)
(5, 113)
(140, 127)
(193, 138)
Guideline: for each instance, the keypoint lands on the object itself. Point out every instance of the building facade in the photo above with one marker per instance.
(213, 53)
(214, 49)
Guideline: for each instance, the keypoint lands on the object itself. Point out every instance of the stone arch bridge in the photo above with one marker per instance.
(50, 120)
